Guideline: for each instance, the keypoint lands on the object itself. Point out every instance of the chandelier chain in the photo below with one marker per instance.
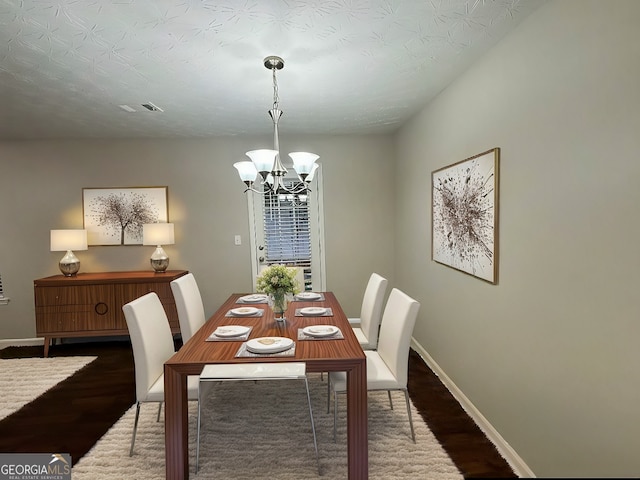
(276, 99)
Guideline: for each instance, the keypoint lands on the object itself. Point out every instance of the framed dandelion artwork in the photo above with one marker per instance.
(114, 216)
(464, 199)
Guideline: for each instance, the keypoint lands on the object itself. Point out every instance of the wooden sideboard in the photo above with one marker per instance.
(90, 304)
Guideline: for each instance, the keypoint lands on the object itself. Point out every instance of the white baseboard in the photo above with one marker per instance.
(21, 342)
(510, 455)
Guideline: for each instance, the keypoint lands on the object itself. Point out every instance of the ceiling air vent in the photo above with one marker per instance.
(151, 107)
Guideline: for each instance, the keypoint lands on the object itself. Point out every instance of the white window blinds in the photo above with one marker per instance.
(290, 231)
(287, 231)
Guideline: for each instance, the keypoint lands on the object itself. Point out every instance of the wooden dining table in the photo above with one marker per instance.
(324, 355)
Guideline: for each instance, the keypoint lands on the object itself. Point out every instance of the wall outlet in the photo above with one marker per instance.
(237, 240)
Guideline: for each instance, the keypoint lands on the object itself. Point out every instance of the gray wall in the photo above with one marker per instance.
(41, 189)
(550, 354)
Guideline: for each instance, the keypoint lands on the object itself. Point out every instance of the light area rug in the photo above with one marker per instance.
(25, 379)
(262, 431)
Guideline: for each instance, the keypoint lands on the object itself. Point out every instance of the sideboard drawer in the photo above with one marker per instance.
(56, 320)
(78, 295)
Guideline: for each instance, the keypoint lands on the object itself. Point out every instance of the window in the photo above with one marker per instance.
(287, 232)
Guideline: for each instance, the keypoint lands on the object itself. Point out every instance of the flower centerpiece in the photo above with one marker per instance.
(280, 283)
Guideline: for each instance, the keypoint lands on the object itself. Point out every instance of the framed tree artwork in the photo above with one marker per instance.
(114, 216)
(464, 199)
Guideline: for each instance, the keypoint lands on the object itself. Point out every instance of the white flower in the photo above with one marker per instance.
(278, 279)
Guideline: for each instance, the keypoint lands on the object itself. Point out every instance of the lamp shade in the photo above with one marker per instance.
(246, 170)
(263, 159)
(303, 162)
(313, 172)
(63, 240)
(157, 234)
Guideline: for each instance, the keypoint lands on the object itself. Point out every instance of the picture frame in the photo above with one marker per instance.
(114, 216)
(464, 217)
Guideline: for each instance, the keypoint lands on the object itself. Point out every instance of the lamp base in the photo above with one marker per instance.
(160, 265)
(159, 260)
(69, 264)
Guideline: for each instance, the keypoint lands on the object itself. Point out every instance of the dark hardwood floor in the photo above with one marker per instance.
(72, 416)
(466, 444)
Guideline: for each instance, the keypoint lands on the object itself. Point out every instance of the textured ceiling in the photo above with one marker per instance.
(351, 66)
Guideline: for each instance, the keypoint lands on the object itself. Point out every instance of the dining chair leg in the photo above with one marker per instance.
(328, 392)
(313, 426)
(335, 415)
(159, 411)
(198, 432)
(406, 397)
(135, 427)
(390, 401)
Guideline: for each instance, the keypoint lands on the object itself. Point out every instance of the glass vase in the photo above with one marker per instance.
(279, 303)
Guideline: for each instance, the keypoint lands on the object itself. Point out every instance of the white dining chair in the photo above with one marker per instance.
(189, 305)
(253, 371)
(387, 367)
(152, 343)
(366, 327)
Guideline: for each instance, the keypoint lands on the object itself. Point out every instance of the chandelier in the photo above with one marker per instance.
(267, 164)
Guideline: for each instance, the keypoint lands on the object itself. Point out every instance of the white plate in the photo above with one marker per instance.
(225, 331)
(244, 311)
(320, 330)
(313, 311)
(309, 295)
(269, 344)
(256, 298)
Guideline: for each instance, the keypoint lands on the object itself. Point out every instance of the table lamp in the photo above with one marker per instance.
(158, 234)
(68, 240)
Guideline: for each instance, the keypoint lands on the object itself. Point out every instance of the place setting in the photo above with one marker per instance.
(245, 312)
(320, 332)
(309, 297)
(230, 333)
(314, 312)
(267, 346)
(253, 298)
